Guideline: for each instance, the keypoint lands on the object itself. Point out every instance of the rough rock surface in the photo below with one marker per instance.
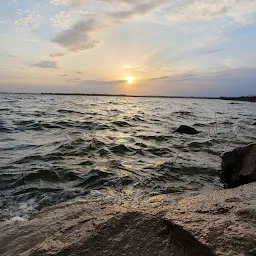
(135, 233)
(219, 223)
(187, 130)
(239, 166)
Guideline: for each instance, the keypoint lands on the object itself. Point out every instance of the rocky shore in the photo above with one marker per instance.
(219, 223)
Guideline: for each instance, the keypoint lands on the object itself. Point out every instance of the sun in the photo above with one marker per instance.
(130, 79)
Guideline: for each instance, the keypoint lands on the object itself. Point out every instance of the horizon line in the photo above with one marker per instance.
(241, 98)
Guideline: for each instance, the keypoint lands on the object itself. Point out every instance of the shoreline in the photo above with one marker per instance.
(239, 98)
(211, 222)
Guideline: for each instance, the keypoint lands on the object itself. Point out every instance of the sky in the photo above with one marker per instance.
(136, 47)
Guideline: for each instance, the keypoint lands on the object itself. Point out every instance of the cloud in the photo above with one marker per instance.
(71, 4)
(73, 80)
(13, 3)
(57, 54)
(8, 55)
(31, 20)
(211, 51)
(61, 20)
(240, 11)
(137, 8)
(176, 77)
(211, 45)
(80, 36)
(97, 82)
(46, 64)
(229, 82)
(234, 63)
(212, 42)
(11, 56)
(77, 3)
(60, 2)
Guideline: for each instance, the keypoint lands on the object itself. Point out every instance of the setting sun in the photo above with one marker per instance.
(130, 79)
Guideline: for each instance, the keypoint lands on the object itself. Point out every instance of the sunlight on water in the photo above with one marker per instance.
(55, 148)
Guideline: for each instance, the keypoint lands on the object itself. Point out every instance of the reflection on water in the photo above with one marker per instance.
(54, 148)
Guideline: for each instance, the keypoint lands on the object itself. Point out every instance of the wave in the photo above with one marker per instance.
(159, 138)
(200, 144)
(138, 118)
(4, 129)
(120, 149)
(44, 125)
(69, 111)
(95, 179)
(4, 109)
(53, 149)
(121, 124)
(183, 113)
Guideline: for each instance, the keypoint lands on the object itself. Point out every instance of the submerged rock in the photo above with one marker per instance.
(187, 130)
(239, 166)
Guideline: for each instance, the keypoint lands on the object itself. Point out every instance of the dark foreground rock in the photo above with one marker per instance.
(218, 223)
(137, 233)
(239, 166)
(187, 130)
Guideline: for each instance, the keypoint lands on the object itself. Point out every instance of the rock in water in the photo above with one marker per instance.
(239, 166)
(187, 130)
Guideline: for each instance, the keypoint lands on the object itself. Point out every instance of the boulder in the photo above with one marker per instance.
(218, 223)
(254, 124)
(239, 166)
(135, 233)
(187, 130)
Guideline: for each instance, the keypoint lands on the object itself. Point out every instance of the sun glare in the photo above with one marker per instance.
(130, 79)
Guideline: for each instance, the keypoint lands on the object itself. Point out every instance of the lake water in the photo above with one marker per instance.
(55, 148)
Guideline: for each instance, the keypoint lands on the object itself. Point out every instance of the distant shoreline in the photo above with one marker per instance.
(240, 98)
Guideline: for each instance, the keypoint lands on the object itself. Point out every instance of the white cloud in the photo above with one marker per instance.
(60, 2)
(211, 42)
(61, 20)
(240, 11)
(68, 3)
(13, 3)
(31, 20)
(79, 37)
(85, 13)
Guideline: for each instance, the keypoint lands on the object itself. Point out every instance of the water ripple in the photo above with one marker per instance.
(54, 148)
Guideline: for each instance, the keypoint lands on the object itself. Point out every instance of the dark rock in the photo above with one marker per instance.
(254, 124)
(187, 130)
(138, 234)
(239, 166)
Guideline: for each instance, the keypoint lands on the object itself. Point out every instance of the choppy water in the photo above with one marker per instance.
(54, 148)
